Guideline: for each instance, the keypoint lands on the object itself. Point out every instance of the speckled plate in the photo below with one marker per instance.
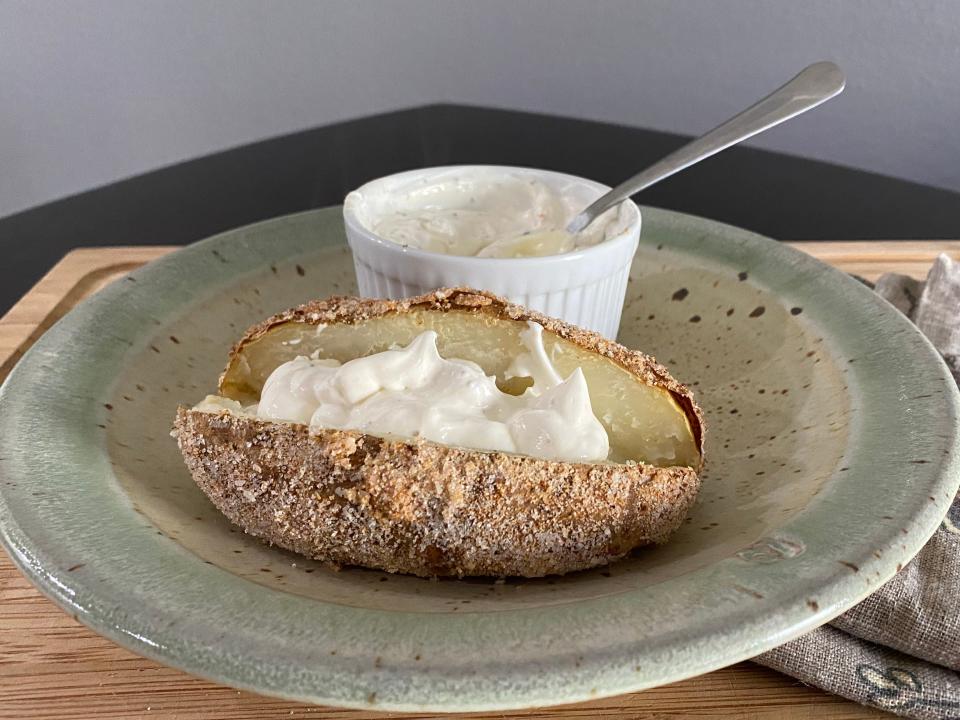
(832, 456)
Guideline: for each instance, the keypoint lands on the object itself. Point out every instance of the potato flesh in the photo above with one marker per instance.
(644, 423)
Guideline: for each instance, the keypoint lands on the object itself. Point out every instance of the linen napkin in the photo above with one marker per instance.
(899, 650)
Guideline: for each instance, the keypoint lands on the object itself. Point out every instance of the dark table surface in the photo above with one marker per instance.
(778, 195)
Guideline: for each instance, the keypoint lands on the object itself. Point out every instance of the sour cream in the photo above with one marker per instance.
(482, 212)
(413, 392)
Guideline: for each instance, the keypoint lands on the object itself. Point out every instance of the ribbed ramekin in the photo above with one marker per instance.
(585, 287)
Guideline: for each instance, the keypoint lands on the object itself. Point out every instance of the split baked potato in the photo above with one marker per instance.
(418, 507)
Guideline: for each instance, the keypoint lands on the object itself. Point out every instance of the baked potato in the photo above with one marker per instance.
(419, 507)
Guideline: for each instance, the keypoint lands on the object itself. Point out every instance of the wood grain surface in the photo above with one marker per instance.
(53, 667)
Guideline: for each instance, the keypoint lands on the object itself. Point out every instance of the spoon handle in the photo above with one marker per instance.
(814, 85)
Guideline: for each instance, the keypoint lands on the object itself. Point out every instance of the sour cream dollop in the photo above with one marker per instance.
(482, 212)
(413, 392)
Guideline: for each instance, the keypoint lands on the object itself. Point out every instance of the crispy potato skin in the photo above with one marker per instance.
(426, 509)
(423, 508)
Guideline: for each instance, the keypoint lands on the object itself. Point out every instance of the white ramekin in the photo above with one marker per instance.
(586, 287)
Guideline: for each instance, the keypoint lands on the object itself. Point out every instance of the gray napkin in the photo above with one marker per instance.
(899, 650)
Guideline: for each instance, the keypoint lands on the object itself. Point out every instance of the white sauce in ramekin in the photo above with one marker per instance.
(482, 212)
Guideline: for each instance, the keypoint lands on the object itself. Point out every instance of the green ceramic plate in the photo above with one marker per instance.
(832, 456)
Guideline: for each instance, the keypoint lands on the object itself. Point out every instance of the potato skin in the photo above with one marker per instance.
(426, 509)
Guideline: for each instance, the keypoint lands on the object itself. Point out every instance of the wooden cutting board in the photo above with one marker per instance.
(53, 667)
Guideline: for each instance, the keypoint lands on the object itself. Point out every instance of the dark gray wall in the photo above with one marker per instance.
(91, 92)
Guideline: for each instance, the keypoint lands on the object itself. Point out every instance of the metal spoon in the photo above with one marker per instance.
(813, 86)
